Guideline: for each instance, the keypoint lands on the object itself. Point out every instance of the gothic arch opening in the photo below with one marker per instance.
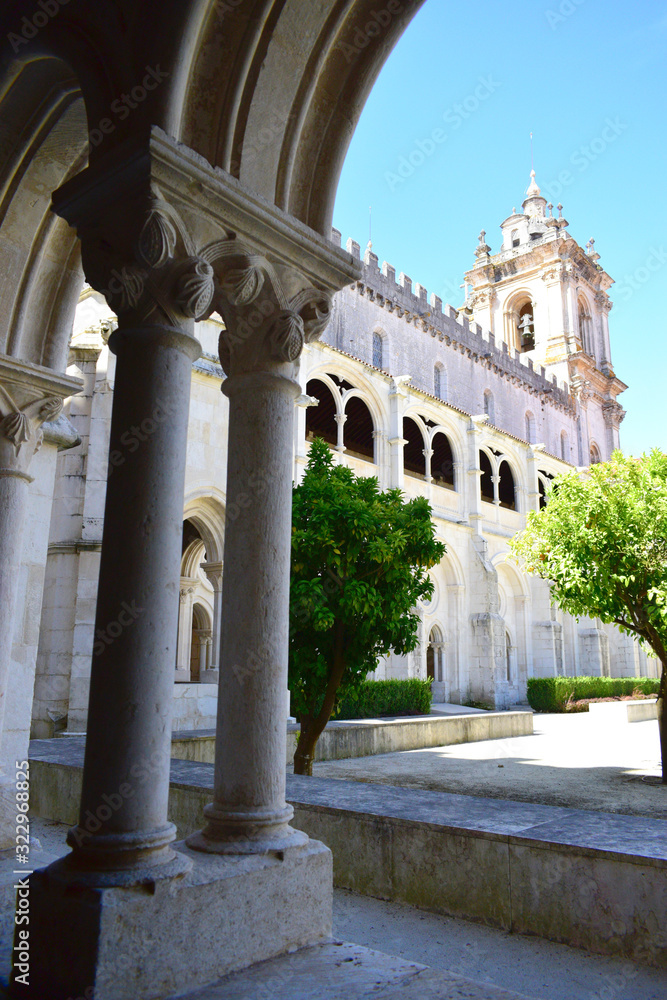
(321, 419)
(506, 486)
(519, 320)
(543, 486)
(486, 479)
(379, 359)
(564, 446)
(442, 461)
(594, 454)
(434, 655)
(530, 427)
(440, 381)
(199, 643)
(358, 430)
(414, 460)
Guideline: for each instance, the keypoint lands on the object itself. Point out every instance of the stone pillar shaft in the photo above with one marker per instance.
(123, 816)
(249, 811)
(29, 396)
(13, 504)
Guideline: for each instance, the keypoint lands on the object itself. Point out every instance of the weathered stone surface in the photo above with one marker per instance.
(145, 942)
(342, 971)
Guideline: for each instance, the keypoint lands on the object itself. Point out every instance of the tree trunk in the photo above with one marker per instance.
(662, 697)
(312, 726)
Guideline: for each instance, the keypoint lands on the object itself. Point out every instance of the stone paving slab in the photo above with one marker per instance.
(342, 971)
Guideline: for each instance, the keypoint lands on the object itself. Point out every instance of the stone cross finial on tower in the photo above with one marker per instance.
(483, 248)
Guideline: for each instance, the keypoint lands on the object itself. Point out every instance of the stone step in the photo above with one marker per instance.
(343, 971)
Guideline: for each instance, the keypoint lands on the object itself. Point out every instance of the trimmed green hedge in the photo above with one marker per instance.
(550, 694)
(373, 698)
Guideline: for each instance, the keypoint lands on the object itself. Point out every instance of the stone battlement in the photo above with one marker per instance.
(429, 314)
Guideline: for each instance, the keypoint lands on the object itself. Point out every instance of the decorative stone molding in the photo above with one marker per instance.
(167, 239)
(184, 594)
(265, 327)
(613, 414)
(213, 573)
(30, 396)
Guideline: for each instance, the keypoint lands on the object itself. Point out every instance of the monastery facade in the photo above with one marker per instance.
(476, 409)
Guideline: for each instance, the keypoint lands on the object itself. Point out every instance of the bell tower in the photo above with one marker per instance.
(546, 298)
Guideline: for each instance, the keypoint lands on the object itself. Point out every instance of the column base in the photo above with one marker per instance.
(181, 675)
(230, 831)
(209, 676)
(138, 943)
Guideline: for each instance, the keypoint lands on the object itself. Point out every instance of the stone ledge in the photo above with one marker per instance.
(610, 712)
(590, 879)
(366, 737)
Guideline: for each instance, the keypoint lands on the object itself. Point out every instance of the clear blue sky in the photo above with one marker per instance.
(591, 85)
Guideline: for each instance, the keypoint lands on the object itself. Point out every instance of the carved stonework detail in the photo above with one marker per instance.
(613, 414)
(155, 277)
(194, 288)
(286, 336)
(157, 240)
(265, 326)
(23, 410)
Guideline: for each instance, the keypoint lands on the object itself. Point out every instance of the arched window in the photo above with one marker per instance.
(358, 430)
(526, 327)
(442, 461)
(530, 427)
(486, 481)
(564, 446)
(377, 349)
(199, 645)
(594, 455)
(506, 489)
(508, 657)
(434, 655)
(489, 408)
(585, 326)
(321, 419)
(437, 384)
(414, 461)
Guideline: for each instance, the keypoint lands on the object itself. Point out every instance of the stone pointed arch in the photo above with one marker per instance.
(207, 513)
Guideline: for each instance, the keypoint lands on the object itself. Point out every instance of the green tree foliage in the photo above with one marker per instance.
(360, 561)
(602, 542)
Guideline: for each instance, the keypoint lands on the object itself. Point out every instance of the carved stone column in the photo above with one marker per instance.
(270, 310)
(29, 396)
(214, 575)
(137, 250)
(167, 238)
(184, 640)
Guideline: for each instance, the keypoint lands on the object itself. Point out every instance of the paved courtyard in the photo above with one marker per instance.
(569, 761)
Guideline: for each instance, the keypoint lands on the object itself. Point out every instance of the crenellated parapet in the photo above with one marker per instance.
(428, 314)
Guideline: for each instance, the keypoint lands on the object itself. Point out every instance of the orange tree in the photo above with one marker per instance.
(360, 561)
(601, 541)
